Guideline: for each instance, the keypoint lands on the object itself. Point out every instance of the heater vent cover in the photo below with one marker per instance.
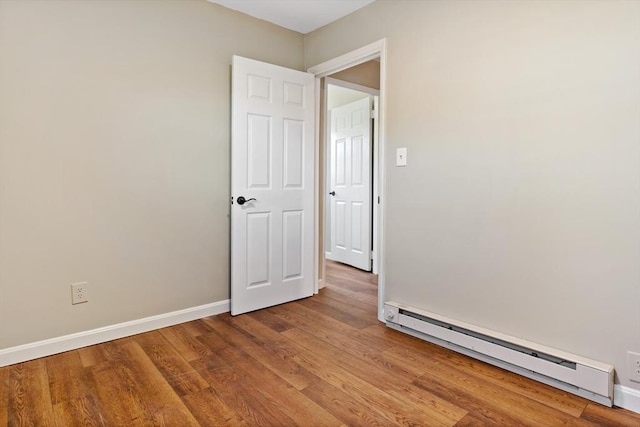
(587, 378)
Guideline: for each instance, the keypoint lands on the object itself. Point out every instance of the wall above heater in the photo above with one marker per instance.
(584, 377)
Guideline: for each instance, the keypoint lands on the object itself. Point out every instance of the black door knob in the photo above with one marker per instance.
(241, 200)
(333, 193)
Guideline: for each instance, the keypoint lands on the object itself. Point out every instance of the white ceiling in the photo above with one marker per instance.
(338, 96)
(302, 16)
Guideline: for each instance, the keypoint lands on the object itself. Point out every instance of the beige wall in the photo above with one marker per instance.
(114, 157)
(519, 209)
(365, 74)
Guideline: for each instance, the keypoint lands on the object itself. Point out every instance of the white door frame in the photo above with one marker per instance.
(348, 60)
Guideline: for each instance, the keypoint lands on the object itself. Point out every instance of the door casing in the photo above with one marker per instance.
(376, 50)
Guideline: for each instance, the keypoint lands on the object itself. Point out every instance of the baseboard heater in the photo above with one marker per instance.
(584, 377)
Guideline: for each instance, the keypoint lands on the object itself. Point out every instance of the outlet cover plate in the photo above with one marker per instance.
(633, 360)
(79, 293)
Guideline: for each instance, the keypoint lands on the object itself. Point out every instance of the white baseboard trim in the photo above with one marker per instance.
(626, 397)
(22, 353)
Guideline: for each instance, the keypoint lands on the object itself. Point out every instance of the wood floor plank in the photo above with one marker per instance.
(155, 397)
(96, 354)
(296, 312)
(4, 388)
(78, 412)
(182, 338)
(482, 397)
(115, 401)
(471, 421)
(147, 398)
(310, 342)
(337, 269)
(247, 403)
(298, 407)
(209, 363)
(4, 395)
(344, 276)
(351, 295)
(330, 330)
(224, 328)
(29, 397)
(67, 377)
(488, 414)
(278, 362)
(344, 406)
(270, 341)
(383, 375)
(273, 322)
(339, 312)
(261, 334)
(169, 361)
(351, 284)
(210, 410)
(212, 341)
(196, 328)
(395, 410)
(332, 296)
(353, 357)
(603, 416)
(348, 277)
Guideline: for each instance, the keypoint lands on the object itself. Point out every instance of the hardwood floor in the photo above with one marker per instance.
(322, 361)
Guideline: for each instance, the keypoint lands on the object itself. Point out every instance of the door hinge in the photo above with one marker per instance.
(374, 114)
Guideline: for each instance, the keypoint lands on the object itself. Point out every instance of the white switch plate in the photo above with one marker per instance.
(401, 157)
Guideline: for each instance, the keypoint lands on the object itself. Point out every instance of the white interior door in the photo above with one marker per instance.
(272, 162)
(350, 184)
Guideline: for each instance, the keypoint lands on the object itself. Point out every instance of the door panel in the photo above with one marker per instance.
(357, 160)
(350, 184)
(259, 148)
(293, 253)
(272, 168)
(339, 163)
(258, 248)
(338, 228)
(293, 153)
(357, 214)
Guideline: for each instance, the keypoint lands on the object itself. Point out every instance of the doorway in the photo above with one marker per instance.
(347, 63)
(350, 140)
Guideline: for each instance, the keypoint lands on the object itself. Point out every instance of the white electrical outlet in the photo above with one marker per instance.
(633, 360)
(79, 293)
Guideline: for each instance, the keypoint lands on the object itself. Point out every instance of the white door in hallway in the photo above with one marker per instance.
(350, 184)
(272, 185)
